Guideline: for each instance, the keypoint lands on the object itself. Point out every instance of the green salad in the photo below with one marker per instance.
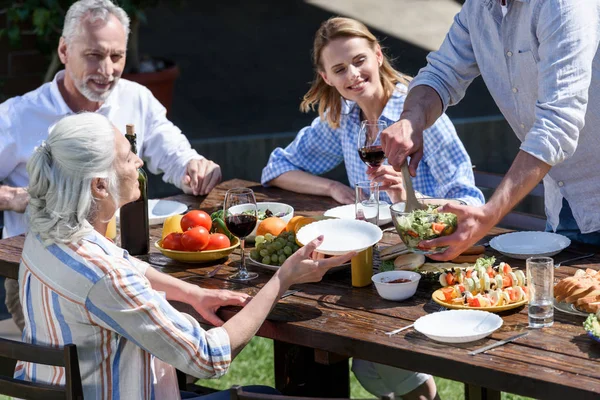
(424, 225)
(592, 325)
(266, 214)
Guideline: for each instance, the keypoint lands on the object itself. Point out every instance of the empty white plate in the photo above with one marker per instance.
(523, 245)
(159, 210)
(348, 212)
(340, 235)
(458, 326)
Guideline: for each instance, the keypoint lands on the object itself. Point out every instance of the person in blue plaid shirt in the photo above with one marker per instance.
(355, 81)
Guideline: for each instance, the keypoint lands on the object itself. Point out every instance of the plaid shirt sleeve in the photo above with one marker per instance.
(446, 170)
(316, 149)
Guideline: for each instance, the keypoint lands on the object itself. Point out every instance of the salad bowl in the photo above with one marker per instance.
(418, 225)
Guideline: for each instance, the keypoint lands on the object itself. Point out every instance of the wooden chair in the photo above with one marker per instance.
(65, 357)
(238, 393)
(525, 221)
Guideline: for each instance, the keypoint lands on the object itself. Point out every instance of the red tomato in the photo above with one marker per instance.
(506, 281)
(474, 302)
(437, 228)
(173, 242)
(217, 241)
(195, 239)
(196, 218)
(448, 292)
(506, 269)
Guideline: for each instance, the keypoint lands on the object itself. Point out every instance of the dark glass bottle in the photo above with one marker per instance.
(135, 229)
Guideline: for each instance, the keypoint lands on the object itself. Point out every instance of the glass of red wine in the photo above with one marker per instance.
(239, 210)
(369, 146)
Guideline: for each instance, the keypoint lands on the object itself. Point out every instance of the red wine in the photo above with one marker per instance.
(241, 225)
(373, 156)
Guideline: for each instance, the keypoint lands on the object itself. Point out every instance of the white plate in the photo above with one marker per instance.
(348, 212)
(276, 267)
(569, 308)
(523, 245)
(458, 326)
(340, 235)
(159, 210)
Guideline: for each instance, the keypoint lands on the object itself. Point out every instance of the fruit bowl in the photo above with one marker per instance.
(198, 256)
(285, 210)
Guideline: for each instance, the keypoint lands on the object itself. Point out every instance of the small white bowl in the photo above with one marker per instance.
(396, 291)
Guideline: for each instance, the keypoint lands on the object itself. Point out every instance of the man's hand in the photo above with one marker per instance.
(403, 139)
(13, 198)
(473, 224)
(208, 301)
(341, 193)
(391, 181)
(201, 177)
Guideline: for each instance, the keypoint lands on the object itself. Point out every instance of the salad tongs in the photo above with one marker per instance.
(412, 203)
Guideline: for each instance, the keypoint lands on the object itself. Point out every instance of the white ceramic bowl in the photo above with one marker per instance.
(458, 326)
(396, 291)
(274, 207)
(341, 236)
(522, 245)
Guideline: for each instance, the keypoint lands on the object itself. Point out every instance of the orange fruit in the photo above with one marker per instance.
(292, 223)
(303, 221)
(272, 225)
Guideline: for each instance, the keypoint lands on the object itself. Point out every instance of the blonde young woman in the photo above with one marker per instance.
(355, 81)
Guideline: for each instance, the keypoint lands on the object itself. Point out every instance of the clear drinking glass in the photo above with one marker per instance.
(240, 214)
(540, 285)
(369, 146)
(366, 203)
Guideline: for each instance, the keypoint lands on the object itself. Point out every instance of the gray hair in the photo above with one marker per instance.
(78, 149)
(98, 10)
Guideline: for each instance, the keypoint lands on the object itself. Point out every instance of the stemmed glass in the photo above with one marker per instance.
(369, 146)
(240, 212)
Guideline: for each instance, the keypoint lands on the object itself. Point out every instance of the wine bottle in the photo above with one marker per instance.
(135, 229)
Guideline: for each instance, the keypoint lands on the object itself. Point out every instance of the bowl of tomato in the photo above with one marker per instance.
(209, 247)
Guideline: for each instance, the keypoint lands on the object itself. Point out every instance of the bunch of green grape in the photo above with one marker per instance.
(273, 250)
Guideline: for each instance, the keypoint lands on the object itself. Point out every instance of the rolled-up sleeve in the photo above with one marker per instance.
(124, 301)
(568, 41)
(165, 149)
(316, 149)
(451, 69)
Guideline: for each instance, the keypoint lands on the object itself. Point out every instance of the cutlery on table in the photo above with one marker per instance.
(399, 330)
(497, 344)
(412, 203)
(573, 259)
(289, 293)
(214, 271)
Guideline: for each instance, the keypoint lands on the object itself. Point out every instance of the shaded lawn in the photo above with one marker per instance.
(254, 366)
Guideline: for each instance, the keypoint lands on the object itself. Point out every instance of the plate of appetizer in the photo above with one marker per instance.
(578, 294)
(482, 287)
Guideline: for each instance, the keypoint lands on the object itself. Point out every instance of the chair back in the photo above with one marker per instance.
(61, 357)
(238, 393)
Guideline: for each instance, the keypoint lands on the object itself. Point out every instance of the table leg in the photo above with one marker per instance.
(473, 392)
(298, 374)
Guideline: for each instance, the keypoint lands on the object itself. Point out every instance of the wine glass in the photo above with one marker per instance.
(369, 146)
(240, 212)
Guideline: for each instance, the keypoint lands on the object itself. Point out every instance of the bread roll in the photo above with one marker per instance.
(409, 262)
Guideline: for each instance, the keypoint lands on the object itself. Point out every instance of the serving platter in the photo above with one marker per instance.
(438, 297)
(569, 308)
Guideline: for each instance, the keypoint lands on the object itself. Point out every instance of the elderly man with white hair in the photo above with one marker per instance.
(93, 49)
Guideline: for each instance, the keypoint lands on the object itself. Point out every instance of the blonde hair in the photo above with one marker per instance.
(328, 98)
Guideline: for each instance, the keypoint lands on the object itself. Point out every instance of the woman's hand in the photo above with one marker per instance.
(301, 268)
(391, 181)
(341, 193)
(208, 301)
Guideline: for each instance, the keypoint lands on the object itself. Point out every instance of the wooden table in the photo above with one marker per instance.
(318, 328)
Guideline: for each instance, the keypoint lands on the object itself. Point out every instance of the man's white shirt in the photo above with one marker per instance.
(25, 121)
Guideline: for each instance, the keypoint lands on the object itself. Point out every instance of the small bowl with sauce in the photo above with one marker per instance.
(396, 285)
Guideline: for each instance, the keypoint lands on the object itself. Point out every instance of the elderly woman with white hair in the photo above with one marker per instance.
(78, 287)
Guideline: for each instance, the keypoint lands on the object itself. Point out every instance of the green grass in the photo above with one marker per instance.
(254, 366)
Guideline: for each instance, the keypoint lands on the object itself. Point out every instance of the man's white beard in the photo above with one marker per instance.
(88, 93)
